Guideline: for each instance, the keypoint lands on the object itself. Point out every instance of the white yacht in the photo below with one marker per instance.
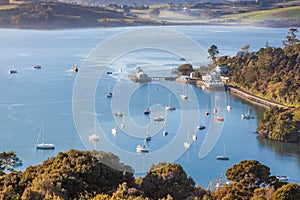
(43, 145)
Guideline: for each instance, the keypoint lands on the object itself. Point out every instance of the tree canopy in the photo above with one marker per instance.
(213, 52)
(165, 178)
(185, 69)
(289, 191)
(80, 175)
(281, 124)
(272, 73)
(250, 173)
(8, 161)
(66, 176)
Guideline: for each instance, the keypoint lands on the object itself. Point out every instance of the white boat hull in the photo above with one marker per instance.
(45, 146)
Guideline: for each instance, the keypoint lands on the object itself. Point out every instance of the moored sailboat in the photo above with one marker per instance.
(169, 106)
(43, 145)
(147, 111)
(94, 137)
(223, 157)
(183, 95)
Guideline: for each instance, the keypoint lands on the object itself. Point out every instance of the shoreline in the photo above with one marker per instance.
(253, 98)
(56, 25)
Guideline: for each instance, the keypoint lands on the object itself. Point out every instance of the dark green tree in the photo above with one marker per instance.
(245, 49)
(291, 39)
(263, 193)
(233, 190)
(165, 178)
(8, 161)
(250, 173)
(213, 52)
(289, 191)
(185, 69)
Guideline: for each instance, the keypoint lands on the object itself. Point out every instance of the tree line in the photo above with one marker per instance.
(82, 175)
(274, 74)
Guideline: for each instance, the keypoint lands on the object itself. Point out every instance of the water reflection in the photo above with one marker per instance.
(280, 148)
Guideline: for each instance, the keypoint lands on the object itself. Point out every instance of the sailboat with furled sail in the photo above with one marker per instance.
(94, 137)
(148, 110)
(169, 106)
(183, 95)
(187, 144)
(43, 145)
(217, 117)
(223, 157)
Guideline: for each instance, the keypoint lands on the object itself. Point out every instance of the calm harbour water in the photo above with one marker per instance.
(31, 97)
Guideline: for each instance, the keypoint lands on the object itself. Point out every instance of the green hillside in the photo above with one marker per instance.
(290, 13)
(61, 15)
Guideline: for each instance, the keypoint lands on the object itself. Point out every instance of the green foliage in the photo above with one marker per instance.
(166, 178)
(213, 52)
(185, 69)
(263, 194)
(289, 191)
(70, 175)
(272, 73)
(7, 161)
(233, 190)
(281, 124)
(123, 192)
(249, 173)
(291, 38)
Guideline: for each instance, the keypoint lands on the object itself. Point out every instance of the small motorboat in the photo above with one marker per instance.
(186, 145)
(158, 119)
(183, 96)
(165, 133)
(282, 178)
(219, 119)
(109, 95)
(194, 137)
(12, 71)
(114, 131)
(37, 67)
(228, 107)
(119, 114)
(142, 149)
(169, 107)
(74, 69)
(200, 127)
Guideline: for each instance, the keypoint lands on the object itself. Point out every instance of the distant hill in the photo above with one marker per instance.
(42, 15)
(144, 2)
(84, 13)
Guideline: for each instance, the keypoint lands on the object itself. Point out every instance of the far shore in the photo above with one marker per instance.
(59, 25)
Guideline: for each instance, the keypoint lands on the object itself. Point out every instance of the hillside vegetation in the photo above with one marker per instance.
(274, 74)
(60, 15)
(86, 13)
(290, 13)
(82, 175)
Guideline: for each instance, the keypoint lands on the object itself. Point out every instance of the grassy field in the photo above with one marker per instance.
(260, 16)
